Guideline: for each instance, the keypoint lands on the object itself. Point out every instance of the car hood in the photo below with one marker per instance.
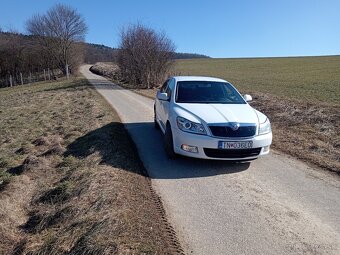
(220, 113)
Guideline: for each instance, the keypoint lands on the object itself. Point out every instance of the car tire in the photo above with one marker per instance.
(155, 119)
(169, 143)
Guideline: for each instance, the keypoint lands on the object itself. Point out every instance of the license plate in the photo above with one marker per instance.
(235, 145)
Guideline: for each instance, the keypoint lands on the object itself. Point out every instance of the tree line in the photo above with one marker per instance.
(52, 43)
(22, 53)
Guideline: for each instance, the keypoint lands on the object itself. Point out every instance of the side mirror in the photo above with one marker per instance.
(247, 97)
(162, 96)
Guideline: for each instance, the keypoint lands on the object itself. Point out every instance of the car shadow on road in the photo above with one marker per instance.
(116, 148)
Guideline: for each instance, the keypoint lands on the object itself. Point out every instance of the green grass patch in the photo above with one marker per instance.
(311, 79)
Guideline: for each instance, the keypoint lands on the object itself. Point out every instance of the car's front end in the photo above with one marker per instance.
(208, 118)
(222, 141)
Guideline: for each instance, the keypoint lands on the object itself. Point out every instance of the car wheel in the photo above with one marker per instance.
(155, 119)
(169, 143)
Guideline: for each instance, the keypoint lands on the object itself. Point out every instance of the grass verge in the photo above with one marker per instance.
(306, 129)
(70, 177)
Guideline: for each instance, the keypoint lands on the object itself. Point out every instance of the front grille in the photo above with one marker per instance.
(225, 131)
(226, 153)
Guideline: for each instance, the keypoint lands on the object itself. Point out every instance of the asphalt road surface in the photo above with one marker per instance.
(273, 205)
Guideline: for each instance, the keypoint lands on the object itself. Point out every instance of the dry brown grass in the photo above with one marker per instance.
(106, 69)
(73, 181)
(307, 130)
(310, 132)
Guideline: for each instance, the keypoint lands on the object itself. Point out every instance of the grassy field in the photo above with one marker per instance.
(71, 181)
(311, 79)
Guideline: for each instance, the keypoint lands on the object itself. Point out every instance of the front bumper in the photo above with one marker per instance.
(208, 146)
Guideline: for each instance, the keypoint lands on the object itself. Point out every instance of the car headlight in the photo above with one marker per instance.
(189, 126)
(265, 127)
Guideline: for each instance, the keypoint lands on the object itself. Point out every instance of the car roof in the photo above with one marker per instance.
(197, 78)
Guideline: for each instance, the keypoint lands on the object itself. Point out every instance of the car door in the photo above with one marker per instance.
(160, 103)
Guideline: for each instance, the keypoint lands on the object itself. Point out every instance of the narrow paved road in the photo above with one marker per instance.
(274, 205)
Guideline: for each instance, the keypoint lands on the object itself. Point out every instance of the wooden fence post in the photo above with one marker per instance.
(10, 80)
(30, 77)
(22, 81)
(49, 74)
(44, 75)
(67, 74)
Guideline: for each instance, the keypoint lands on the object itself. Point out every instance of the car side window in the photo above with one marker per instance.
(164, 87)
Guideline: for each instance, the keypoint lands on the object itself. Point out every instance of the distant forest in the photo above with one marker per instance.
(20, 53)
(101, 53)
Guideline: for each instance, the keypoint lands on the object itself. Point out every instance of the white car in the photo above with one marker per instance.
(208, 118)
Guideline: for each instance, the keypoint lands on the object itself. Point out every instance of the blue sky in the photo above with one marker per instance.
(242, 28)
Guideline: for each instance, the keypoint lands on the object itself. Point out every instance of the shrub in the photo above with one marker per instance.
(145, 56)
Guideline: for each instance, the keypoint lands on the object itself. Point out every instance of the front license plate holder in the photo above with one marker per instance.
(235, 145)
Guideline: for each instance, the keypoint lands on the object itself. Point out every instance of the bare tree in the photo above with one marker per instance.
(145, 56)
(58, 31)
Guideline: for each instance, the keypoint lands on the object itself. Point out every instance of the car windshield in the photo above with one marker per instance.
(207, 92)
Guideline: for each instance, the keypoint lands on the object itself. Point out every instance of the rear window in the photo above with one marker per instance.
(207, 92)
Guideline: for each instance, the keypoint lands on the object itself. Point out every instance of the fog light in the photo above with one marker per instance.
(189, 148)
(266, 148)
